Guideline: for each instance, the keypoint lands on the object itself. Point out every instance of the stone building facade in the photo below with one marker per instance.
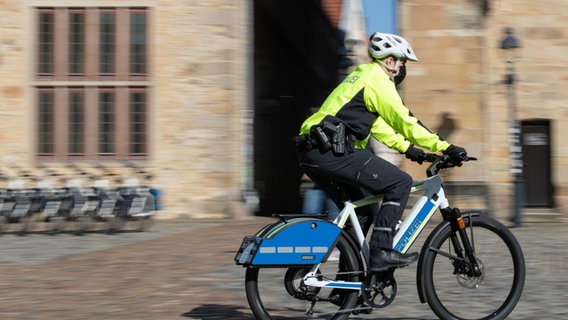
(462, 71)
(199, 54)
(201, 100)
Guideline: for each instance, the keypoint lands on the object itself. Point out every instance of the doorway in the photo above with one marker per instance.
(537, 163)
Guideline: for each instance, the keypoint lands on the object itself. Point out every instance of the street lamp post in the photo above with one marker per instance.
(509, 44)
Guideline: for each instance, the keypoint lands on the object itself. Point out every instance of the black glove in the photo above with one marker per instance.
(456, 153)
(415, 154)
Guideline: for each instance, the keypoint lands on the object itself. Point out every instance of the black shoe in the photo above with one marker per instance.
(382, 260)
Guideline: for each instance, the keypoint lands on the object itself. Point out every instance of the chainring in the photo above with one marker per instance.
(379, 286)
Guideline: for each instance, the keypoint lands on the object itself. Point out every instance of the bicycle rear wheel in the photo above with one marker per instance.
(451, 288)
(280, 293)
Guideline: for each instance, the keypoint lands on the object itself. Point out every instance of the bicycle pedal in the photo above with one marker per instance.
(362, 309)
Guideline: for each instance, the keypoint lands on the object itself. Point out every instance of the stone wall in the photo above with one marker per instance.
(542, 76)
(445, 89)
(200, 55)
(201, 84)
(461, 71)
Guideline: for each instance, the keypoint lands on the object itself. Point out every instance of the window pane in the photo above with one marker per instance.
(76, 123)
(138, 43)
(107, 129)
(76, 42)
(137, 123)
(45, 54)
(64, 60)
(107, 42)
(45, 130)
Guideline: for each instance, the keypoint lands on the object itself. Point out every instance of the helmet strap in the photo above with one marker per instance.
(394, 69)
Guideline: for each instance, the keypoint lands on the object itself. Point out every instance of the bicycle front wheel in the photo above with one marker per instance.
(280, 293)
(454, 291)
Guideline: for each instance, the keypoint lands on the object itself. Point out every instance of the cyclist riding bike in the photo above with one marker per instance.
(332, 144)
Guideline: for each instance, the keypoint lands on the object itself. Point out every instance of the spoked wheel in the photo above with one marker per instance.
(455, 290)
(280, 293)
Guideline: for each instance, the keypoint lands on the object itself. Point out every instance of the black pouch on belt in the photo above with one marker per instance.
(321, 137)
(303, 143)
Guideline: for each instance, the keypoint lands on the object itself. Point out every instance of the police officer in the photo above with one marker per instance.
(332, 144)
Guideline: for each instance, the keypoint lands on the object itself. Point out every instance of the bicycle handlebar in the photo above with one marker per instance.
(443, 161)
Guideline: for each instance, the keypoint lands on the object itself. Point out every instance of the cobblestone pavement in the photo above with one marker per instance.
(184, 270)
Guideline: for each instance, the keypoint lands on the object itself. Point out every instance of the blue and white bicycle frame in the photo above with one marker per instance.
(309, 240)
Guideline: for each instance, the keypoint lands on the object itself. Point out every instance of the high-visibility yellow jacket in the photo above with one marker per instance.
(369, 105)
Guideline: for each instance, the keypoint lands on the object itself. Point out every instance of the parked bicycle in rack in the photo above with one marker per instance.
(75, 209)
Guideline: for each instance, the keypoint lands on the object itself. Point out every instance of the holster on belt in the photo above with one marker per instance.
(330, 136)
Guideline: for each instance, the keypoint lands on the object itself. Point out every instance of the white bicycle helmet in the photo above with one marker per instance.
(382, 45)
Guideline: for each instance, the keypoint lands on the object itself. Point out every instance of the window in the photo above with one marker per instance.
(107, 42)
(106, 123)
(46, 125)
(76, 42)
(45, 39)
(137, 122)
(76, 122)
(138, 43)
(91, 78)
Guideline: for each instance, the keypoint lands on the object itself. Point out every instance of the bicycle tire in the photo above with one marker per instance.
(452, 294)
(269, 289)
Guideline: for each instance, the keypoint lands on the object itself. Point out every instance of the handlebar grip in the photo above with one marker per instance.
(431, 157)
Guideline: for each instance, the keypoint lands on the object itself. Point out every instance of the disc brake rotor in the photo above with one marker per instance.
(471, 282)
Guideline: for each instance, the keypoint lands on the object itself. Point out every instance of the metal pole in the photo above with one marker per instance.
(516, 151)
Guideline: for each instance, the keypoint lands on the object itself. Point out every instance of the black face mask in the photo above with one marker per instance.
(400, 75)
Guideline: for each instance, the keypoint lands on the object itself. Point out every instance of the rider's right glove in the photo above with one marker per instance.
(456, 153)
(415, 154)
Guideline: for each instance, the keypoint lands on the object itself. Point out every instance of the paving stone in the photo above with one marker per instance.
(184, 269)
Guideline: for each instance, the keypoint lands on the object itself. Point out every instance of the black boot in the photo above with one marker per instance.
(382, 260)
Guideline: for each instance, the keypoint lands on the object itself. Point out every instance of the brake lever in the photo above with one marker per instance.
(463, 159)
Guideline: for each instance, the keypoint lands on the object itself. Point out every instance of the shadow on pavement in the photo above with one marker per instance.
(224, 312)
(217, 312)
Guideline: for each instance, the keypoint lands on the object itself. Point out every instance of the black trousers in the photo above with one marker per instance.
(357, 174)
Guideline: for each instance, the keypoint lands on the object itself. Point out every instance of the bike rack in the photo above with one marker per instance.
(60, 203)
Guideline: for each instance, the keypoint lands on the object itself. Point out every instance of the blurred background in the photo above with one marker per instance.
(198, 100)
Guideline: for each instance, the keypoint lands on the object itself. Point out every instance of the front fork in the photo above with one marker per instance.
(457, 223)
